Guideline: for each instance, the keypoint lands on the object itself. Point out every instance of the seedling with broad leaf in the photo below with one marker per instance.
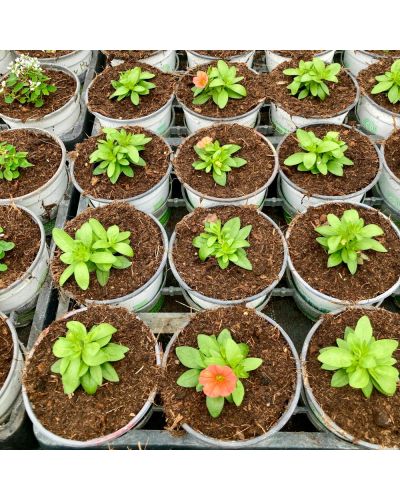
(132, 83)
(11, 161)
(389, 83)
(5, 246)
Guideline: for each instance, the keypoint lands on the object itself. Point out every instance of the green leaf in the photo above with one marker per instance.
(340, 378)
(189, 378)
(335, 356)
(88, 383)
(215, 406)
(232, 352)
(238, 393)
(109, 373)
(190, 357)
(250, 364)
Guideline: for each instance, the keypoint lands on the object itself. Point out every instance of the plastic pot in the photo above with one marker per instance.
(5, 59)
(297, 198)
(285, 123)
(77, 61)
(357, 60)
(21, 296)
(60, 442)
(166, 60)
(195, 59)
(59, 121)
(389, 185)
(245, 443)
(321, 303)
(376, 119)
(273, 59)
(51, 193)
(201, 301)
(11, 388)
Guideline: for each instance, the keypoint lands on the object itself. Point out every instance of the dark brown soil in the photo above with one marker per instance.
(298, 54)
(310, 259)
(101, 89)
(221, 54)
(126, 55)
(361, 151)
(145, 239)
(66, 87)
(6, 351)
(392, 152)
(44, 154)
(385, 53)
(240, 181)
(342, 94)
(20, 229)
(376, 420)
(366, 80)
(233, 283)
(82, 416)
(269, 389)
(235, 107)
(156, 155)
(42, 54)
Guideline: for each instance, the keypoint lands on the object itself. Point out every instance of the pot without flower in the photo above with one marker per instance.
(389, 182)
(357, 60)
(275, 57)
(209, 56)
(166, 60)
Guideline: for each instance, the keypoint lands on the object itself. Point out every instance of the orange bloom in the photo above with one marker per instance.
(203, 142)
(201, 79)
(217, 381)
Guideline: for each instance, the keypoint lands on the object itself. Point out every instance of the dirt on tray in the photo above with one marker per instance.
(235, 107)
(392, 153)
(100, 90)
(376, 420)
(366, 80)
(66, 88)
(240, 181)
(126, 55)
(342, 94)
(355, 177)
(44, 54)
(221, 54)
(81, 416)
(6, 351)
(23, 231)
(146, 241)
(298, 54)
(309, 258)
(156, 155)
(44, 153)
(268, 391)
(266, 253)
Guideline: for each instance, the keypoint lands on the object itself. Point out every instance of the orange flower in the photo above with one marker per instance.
(217, 381)
(201, 79)
(203, 142)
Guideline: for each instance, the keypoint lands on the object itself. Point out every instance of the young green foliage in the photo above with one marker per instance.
(389, 83)
(11, 161)
(133, 83)
(5, 246)
(346, 239)
(203, 363)
(93, 249)
(220, 84)
(224, 242)
(217, 159)
(86, 357)
(322, 156)
(362, 361)
(26, 82)
(117, 152)
(310, 77)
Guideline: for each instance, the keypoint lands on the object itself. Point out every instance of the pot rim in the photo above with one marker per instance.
(49, 60)
(386, 166)
(318, 54)
(214, 58)
(16, 354)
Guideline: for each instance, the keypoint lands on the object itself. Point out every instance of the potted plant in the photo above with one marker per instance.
(23, 260)
(305, 92)
(166, 60)
(220, 92)
(243, 381)
(342, 254)
(111, 255)
(379, 107)
(76, 61)
(39, 96)
(389, 182)
(128, 163)
(225, 164)
(326, 162)
(101, 391)
(350, 369)
(5, 60)
(197, 57)
(357, 60)
(240, 250)
(11, 363)
(32, 170)
(132, 93)
(275, 57)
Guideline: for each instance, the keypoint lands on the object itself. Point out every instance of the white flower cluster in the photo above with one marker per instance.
(23, 64)
(3, 84)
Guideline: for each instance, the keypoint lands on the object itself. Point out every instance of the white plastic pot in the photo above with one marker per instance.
(21, 295)
(77, 61)
(298, 199)
(11, 388)
(203, 302)
(389, 185)
(59, 121)
(51, 193)
(5, 59)
(273, 59)
(60, 442)
(319, 302)
(166, 60)
(357, 60)
(375, 119)
(195, 59)
(282, 421)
